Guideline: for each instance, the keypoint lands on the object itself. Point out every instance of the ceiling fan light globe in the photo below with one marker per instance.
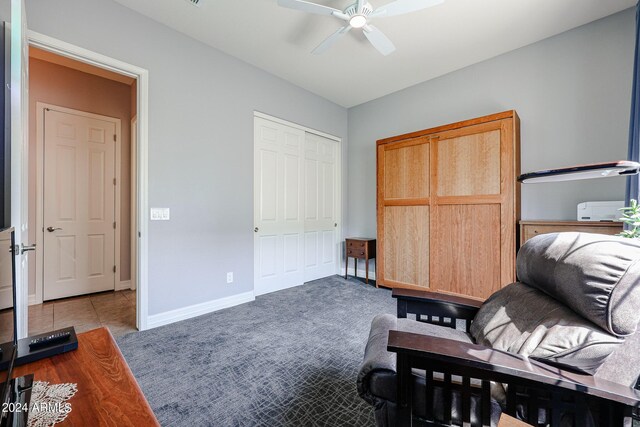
(358, 21)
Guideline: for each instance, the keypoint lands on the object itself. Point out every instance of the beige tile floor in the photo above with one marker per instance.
(115, 310)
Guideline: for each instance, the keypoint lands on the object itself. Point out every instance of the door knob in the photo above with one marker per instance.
(51, 229)
(26, 248)
(255, 229)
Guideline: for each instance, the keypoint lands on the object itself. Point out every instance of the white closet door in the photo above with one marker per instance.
(279, 226)
(320, 218)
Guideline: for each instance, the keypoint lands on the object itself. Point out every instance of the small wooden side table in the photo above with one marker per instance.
(359, 248)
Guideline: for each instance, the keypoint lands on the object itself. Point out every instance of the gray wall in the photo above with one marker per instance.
(200, 142)
(572, 93)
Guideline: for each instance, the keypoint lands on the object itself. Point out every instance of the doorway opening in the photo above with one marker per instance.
(82, 205)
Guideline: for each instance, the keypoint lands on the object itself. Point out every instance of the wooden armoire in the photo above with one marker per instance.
(448, 205)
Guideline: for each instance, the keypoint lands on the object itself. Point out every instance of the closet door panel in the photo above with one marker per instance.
(466, 249)
(406, 245)
(278, 220)
(320, 216)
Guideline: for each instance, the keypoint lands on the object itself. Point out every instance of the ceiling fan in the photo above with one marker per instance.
(358, 15)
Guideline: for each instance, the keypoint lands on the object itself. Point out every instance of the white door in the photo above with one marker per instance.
(320, 218)
(79, 204)
(20, 155)
(6, 269)
(278, 232)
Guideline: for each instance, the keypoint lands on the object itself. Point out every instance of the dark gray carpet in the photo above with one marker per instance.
(289, 358)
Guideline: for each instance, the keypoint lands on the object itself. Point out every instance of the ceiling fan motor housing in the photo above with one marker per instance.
(351, 10)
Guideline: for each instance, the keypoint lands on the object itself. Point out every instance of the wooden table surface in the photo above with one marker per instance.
(507, 421)
(108, 394)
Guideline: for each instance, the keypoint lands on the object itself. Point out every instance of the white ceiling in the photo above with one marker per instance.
(429, 43)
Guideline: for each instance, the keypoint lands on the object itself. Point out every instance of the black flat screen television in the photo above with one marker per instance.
(8, 336)
(5, 131)
(15, 394)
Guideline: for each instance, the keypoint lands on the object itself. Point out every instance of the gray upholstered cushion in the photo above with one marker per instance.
(595, 275)
(521, 319)
(623, 366)
(376, 356)
(377, 380)
(378, 361)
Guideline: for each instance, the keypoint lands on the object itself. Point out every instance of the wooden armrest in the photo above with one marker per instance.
(436, 304)
(437, 297)
(505, 367)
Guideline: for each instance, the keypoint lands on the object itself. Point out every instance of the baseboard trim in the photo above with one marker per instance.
(33, 300)
(123, 285)
(361, 273)
(259, 292)
(195, 310)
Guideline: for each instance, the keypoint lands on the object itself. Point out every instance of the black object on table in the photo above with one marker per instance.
(63, 340)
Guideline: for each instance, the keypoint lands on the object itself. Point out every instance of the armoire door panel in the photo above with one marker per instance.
(466, 249)
(469, 165)
(406, 171)
(406, 257)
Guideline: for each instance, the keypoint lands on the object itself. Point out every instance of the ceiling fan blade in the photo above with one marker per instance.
(329, 41)
(378, 40)
(309, 7)
(400, 7)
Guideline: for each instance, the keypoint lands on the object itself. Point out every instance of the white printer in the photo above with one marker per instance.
(600, 211)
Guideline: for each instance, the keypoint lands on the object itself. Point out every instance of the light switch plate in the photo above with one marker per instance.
(160, 214)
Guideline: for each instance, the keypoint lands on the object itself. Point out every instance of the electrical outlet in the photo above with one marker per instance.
(230, 277)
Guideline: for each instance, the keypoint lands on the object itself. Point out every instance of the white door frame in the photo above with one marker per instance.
(19, 65)
(134, 197)
(39, 255)
(338, 193)
(142, 164)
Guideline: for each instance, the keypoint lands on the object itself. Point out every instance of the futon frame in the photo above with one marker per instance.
(538, 393)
